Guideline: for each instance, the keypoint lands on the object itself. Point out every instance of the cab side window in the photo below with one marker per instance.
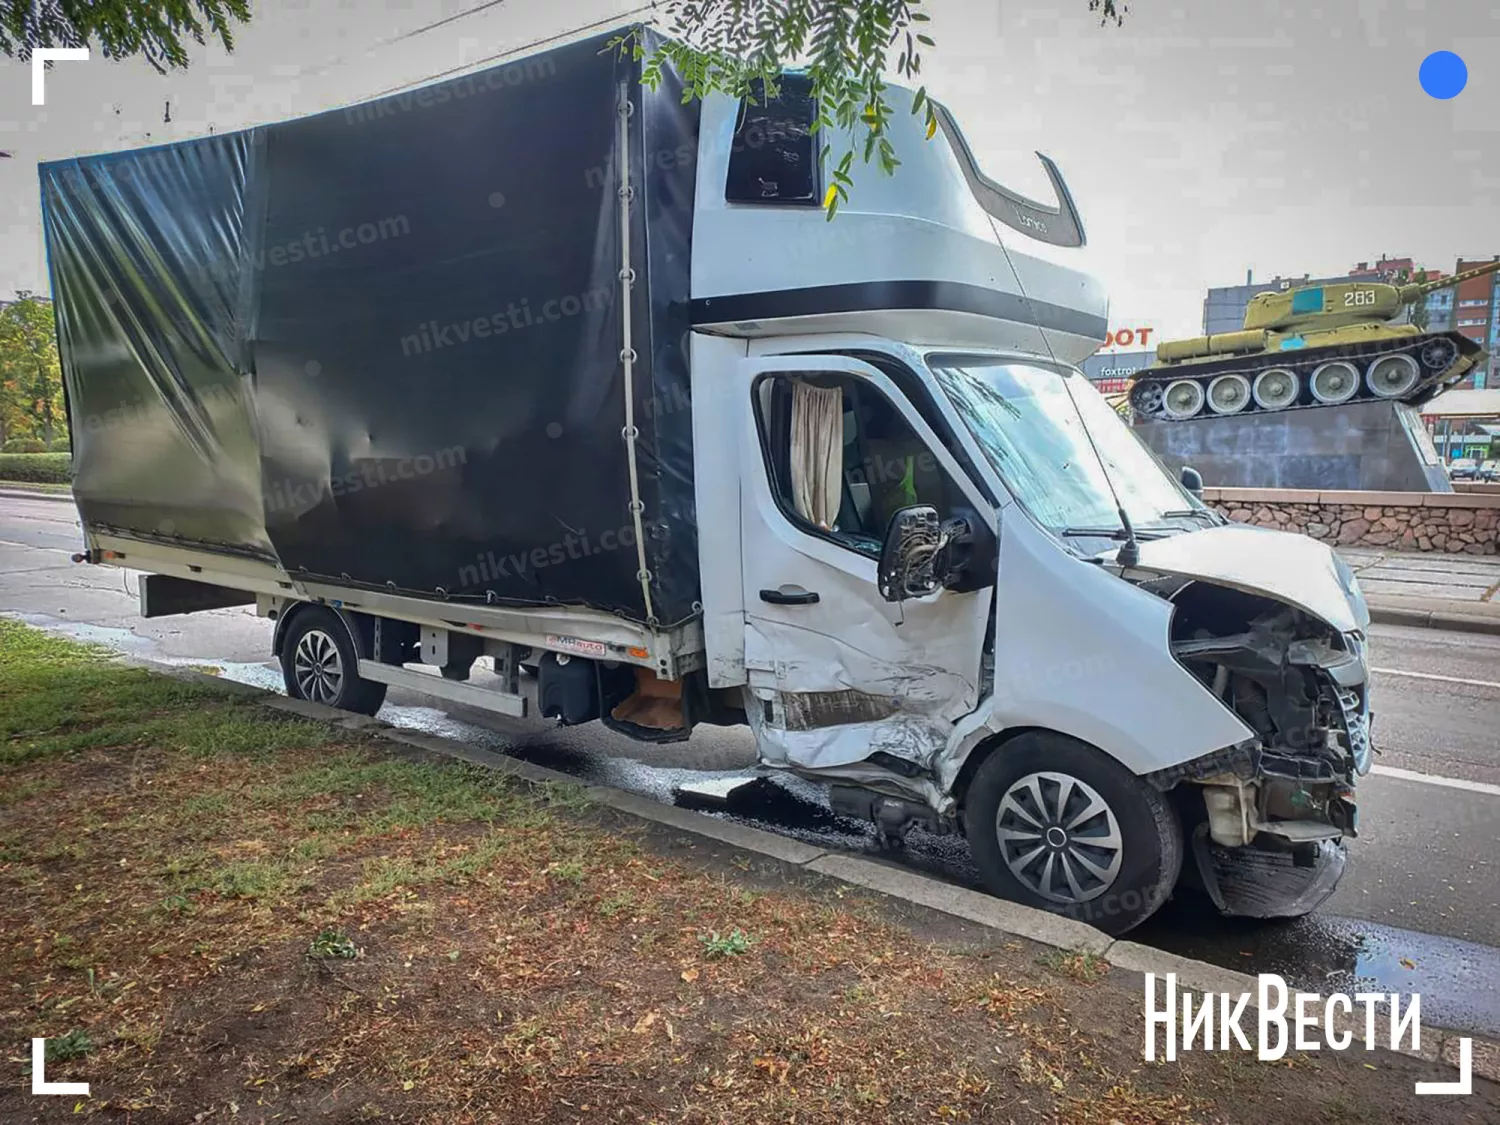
(842, 460)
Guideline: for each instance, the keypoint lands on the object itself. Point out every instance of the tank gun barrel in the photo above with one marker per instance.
(1417, 289)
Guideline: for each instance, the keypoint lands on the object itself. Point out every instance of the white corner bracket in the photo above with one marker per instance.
(39, 60)
(1465, 1083)
(39, 1083)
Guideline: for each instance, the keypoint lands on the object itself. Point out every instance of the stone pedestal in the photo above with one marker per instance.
(1379, 446)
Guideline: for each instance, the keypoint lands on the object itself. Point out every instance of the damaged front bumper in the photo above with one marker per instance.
(1276, 810)
(1256, 882)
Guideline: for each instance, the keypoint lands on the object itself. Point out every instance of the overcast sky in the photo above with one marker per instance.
(1200, 140)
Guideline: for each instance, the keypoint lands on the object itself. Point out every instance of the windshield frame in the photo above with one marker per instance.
(1152, 525)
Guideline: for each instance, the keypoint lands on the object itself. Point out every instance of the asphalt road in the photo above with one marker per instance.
(1418, 910)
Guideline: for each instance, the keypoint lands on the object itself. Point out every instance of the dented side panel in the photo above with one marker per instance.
(835, 674)
(861, 676)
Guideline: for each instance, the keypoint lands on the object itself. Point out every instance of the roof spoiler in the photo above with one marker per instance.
(1058, 226)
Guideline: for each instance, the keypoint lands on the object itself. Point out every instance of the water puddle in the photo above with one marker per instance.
(122, 640)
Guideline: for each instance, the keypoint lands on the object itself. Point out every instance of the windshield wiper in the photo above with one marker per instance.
(1213, 517)
(1116, 533)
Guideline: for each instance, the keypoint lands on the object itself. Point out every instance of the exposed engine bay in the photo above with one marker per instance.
(1279, 805)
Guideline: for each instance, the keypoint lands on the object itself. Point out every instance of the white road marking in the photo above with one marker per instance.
(1433, 779)
(1434, 676)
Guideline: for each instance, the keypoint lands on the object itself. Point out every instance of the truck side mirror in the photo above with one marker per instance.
(1192, 480)
(909, 560)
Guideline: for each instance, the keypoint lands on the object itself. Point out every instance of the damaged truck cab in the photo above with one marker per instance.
(925, 594)
(841, 482)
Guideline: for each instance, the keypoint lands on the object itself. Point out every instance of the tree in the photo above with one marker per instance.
(121, 29)
(739, 46)
(31, 392)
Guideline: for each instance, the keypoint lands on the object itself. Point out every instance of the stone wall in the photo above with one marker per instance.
(1467, 523)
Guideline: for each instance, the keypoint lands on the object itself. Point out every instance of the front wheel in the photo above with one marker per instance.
(319, 664)
(1055, 824)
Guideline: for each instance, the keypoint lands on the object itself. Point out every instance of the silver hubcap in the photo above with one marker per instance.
(1059, 837)
(317, 667)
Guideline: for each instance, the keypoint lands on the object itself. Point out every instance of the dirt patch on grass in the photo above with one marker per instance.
(230, 915)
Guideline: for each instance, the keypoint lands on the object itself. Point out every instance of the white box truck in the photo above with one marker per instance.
(545, 371)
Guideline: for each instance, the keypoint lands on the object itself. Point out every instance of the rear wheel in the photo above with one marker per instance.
(1055, 824)
(319, 663)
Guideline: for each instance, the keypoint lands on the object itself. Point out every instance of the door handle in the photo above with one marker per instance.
(789, 597)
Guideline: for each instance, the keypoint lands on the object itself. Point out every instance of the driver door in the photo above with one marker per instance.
(837, 673)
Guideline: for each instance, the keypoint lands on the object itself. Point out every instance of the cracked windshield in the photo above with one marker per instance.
(1036, 435)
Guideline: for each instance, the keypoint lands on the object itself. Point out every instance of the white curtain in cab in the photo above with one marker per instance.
(817, 452)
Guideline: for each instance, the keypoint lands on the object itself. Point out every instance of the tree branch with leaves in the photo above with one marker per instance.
(844, 47)
(120, 29)
(739, 47)
(31, 390)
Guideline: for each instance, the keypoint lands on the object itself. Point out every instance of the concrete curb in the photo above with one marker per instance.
(20, 491)
(1453, 615)
(1009, 918)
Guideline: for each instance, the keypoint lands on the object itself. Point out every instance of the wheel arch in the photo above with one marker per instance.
(358, 626)
(988, 746)
(1150, 839)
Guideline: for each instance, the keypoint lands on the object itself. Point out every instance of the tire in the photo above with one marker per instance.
(319, 662)
(1116, 882)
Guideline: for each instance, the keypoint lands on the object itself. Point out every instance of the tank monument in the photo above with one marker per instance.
(1321, 389)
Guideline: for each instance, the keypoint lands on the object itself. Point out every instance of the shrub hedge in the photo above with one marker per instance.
(36, 468)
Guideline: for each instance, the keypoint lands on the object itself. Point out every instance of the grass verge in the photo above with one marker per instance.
(218, 912)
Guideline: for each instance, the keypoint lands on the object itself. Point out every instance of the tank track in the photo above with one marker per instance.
(1441, 358)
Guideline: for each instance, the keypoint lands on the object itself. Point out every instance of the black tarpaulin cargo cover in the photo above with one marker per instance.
(382, 346)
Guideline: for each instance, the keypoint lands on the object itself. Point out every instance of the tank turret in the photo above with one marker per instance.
(1317, 345)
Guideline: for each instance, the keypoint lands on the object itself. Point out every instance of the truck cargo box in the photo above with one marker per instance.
(386, 345)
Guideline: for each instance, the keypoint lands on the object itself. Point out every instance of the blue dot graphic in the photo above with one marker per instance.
(1443, 74)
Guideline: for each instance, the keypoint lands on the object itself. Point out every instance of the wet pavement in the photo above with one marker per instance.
(1429, 857)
